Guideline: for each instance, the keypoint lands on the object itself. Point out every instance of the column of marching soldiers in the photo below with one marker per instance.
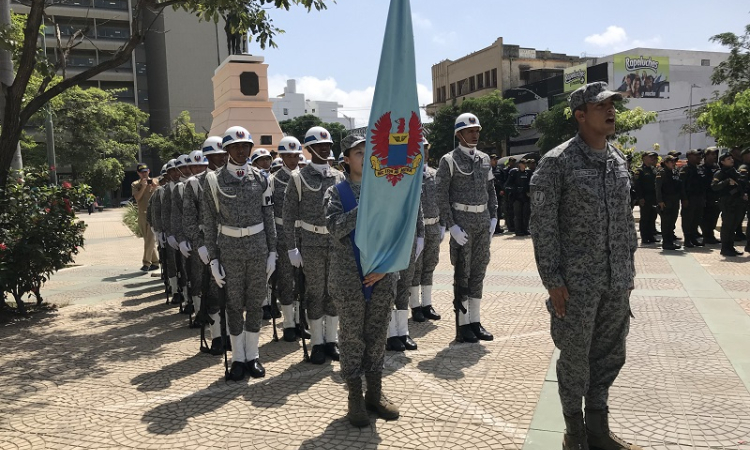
(237, 238)
(707, 186)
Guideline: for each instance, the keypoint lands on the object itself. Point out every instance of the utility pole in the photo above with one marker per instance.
(49, 128)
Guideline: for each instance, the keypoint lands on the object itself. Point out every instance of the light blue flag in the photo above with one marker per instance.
(392, 178)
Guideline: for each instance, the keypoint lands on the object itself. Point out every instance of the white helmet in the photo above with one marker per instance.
(466, 120)
(171, 164)
(289, 146)
(183, 160)
(235, 135)
(425, 143)
(317, 135)
(259, 153)
(302, 159)
(212, 146)
(341, 158)
(196, 158)
(277, 163)
(163, 170)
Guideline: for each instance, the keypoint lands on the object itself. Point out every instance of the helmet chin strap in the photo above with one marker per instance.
(312, 150)
(230, 159)
(463, 142)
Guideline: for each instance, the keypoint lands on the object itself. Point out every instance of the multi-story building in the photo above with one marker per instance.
(497, 67)
(292, 104)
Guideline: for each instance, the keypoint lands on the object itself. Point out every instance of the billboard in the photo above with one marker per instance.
(638, 76)
(574, 77)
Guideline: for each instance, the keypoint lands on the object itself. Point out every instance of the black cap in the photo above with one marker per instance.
(670, 158)
(711, 150)
(674, 153)
(141, 167)
(654, 154)
(725, 156)
(493, 156)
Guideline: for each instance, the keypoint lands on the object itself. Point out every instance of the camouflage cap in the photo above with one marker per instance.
(350, 142)
(711, 150)
(674, 153)
(591, 93)
(693, 151)
(654, 154)
(670, 158)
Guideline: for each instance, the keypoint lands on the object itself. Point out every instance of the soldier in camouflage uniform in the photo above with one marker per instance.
(239, 228)
(303, 202)
(289, 149)
(171, 246)
(215, 157)
(427, 260)
(176, 234)
(364, 323)
(584, 239)
(468, 205)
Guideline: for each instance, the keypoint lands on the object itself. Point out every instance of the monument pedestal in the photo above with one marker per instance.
(241, 98)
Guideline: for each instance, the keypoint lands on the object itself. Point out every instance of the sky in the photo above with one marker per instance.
(334, 54)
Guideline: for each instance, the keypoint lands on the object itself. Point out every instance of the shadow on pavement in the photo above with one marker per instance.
(124, 276)
(449, 363)
(161, 379)
(419, 330)
(341, 434)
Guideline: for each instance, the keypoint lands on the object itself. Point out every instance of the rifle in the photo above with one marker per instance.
(202, 314)
(178, 263)
(164, 277)
(274, 296)
(459, 291)
(299, 288)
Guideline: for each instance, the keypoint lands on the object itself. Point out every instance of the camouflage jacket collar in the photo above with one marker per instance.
(590, 154)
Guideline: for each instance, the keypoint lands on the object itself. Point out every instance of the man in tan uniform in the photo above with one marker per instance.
(142, 190)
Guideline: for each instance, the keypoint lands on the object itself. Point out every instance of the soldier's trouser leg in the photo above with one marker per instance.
(669, 220)
(526, 208)
(285, 286)
(364, 325)
(510, 220)
(476, 256)
(316, 282)
(425, 267)
(403, 291)
(171, 264)
(730, 218)
(647, 224)
(235, 290)
(150, 256)
(587, 368)
(195, 276)
(518, 216)
(692, 215)
(710, 218)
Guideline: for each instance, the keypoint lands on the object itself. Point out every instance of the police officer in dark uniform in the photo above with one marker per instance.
(732, 197)
(510, 222)
(668, 195)
(694, 178)
(517, 186)
(712, 211)
(645, 188)
(745, 177)
(499, 173)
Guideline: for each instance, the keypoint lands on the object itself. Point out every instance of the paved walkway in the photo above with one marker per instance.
(116, 368)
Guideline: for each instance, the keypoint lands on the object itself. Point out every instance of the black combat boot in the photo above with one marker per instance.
(216, 347)
(376, 401)
(357, 413)
(430, 313)
(255, 368)
(599, 435)
(466, 334)
(267, 312)
(480, 332)
(332, 350)
(689, 241)
(318, 354)
(290, 334)
(408, 342)
(176, 298)
(694, 239)
(575, 433)
(237, 372)
(417, 315)
(711, 240)
(393, 343)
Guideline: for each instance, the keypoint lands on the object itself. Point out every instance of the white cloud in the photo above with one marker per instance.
(615, 39)
(444, 38)
(356, 103)
(420, 21)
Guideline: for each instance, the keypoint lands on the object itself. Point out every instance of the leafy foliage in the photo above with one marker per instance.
(735, 70)
(728, 123)
(130, 219)
(182, 138)
(105, 176)
(298, 126)
(39, 233)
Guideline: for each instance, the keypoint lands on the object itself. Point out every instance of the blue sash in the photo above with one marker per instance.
(349, 203)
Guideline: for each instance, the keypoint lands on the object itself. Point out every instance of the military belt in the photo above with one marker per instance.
(279, 221)
(469, 208)
(431, 220)
(313, 228)
(236, 232)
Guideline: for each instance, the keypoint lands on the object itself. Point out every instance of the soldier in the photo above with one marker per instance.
(175, 226)
(261, 160)
(302, 161)
(215, 157)
(713, 210)
(239, 228)
(645, 188)
(154, 218)
(363, 323)
(468, 205)
(732, 198)
(517, 186)
(303, 202)
(499, 174)
(142, 190)
(171, 247)
(693, 177)
(276, 165)
(331, 160)
(669, 192)
(427, 260)
(289, 149)
(584, 239)
(510, 220)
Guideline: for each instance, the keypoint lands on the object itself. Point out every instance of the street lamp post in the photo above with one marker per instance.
(351, 126)
(690, 115)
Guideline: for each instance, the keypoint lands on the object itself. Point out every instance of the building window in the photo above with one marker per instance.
(313, 110)
(286, 111)
(480, 81)
(493, 79)
(140, 68)
(705, 62)
(266, 140)
(453, 90)
(472, 84)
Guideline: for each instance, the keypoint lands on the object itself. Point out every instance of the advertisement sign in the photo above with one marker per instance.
(638, 76)
(574, 77)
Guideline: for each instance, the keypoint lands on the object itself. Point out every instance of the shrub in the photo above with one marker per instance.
(39, 233)
(130, 219)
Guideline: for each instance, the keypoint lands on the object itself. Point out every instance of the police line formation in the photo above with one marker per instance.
(239, 233)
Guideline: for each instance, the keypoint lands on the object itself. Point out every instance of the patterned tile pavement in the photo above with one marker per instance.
(117, 368)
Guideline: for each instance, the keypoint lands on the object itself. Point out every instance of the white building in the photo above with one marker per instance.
(292, 104)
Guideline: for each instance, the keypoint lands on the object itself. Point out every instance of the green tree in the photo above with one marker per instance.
(105, 175)
(728, 123)
(440, 132)
(735, 70)
(252, 15)
(298, 126)
(182, 138)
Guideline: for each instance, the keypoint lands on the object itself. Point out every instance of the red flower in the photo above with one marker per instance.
(66, 185)
(3, 246)
(46, 210)
(67, 205)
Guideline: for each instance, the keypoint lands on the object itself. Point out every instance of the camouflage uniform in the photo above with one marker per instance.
(584, 239)
(364, 324)
(399, 325)
(425, 265)
(468, 183)
(165, 214)
(243, 258)
(313, 246)
(176, 230)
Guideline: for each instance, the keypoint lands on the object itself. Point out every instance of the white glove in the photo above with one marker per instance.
(173, 242)
(493, 225)
(459, 235)
(295, 257)
(442, 232)
(160, 238)
(203, 253)
(185, 249)
(420, 247)
(218, 272)
(270, 264)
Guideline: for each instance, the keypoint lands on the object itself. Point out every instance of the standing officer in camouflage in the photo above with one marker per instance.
(303, 202)
(238, 225)
(143, 188)
(175, 226)
(694, 179)
(645, 189)
(468, 205)
(427, 261)
(669, 192)
(289, 149)
(364, 323)
(713, 210)
(732, 198)
(171, 247)
(584, 242)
